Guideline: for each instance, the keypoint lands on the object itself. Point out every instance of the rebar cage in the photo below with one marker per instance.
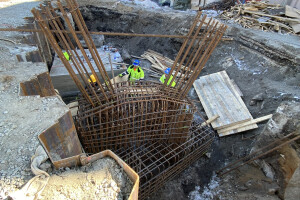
(139, 113)
(150, 125)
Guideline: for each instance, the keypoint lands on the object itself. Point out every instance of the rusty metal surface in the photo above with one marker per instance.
(61, 141)
(196, 49)
(41, 85)
(46, 85)
(107, 33)
(137, 116)
(158, 162)
(148, 124)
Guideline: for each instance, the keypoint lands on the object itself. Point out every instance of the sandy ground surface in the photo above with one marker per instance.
(22, 118)
(103, 179)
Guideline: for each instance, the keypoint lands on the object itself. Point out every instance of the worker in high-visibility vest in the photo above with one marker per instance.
(135, 72)
(92, 79)
(67, 56)
(164, 76)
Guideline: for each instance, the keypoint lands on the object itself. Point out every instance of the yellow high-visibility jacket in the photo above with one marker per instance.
(134, 75)
(163, 78)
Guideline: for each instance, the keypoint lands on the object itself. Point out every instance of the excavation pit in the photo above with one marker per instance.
(240, 61)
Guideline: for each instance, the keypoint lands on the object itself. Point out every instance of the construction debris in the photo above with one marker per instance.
(159, 62)
(148, 124)
(220, 97)
(277, 144)
(264, 16)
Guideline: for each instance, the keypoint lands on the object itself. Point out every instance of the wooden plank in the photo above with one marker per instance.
(296, 27)
(226, 84)
(219, 97)
(219, 103)
(283, 19)
(163, 59)
(242, 129)
(158, 68)
(118, 79)
(159, 63)
(226, 79)
(210, 120)
(237, 95)
(236, 87)
(209, 107)
(291, 12)
(235, 102)
(253, 121)
(203, 98)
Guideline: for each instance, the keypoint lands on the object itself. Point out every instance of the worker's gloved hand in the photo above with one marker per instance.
(121, 75)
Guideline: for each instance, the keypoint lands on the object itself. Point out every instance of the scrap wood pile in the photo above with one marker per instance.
(265, 16)
(159, 63)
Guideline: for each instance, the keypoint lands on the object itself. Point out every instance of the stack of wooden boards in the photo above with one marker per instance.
(159, 62)
(220, 96)
(265, 16)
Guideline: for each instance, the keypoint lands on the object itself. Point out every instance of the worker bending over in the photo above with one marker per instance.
(135, 72)
(164, 76)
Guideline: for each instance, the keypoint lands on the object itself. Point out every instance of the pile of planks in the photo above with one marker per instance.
(221, 97)
(265, 16)
(159, 63)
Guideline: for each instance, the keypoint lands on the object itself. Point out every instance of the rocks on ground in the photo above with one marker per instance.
(281, 165)
(22, 118)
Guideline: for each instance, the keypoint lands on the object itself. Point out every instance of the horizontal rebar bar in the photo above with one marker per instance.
(109, 33)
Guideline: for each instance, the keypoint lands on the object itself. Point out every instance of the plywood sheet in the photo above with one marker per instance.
(219, 97)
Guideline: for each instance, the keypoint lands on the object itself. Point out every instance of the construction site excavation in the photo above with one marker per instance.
(148, 99)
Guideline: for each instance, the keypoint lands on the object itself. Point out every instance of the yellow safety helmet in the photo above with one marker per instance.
(92, 78)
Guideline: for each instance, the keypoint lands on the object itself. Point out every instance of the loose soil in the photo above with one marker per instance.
(103, 179)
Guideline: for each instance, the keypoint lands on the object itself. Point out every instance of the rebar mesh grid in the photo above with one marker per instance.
(138, 114)
(194, 53)
(148, 124)
(158, 162)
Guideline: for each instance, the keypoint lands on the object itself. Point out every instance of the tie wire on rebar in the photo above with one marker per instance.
(148, 124)
(51, 21)
(188, 64)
